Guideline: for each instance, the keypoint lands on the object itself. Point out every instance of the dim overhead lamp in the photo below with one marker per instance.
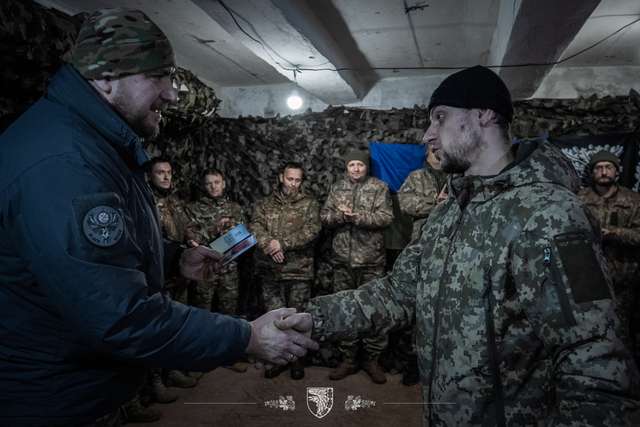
(294, 102)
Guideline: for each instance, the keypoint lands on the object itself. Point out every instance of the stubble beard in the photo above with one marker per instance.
(458, 161)
(137, 121)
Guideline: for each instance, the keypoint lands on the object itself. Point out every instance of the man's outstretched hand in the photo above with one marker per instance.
(277, 340)
(199, 262)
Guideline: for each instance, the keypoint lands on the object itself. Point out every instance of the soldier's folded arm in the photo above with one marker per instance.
(309, 232)
(381, 214)
(566, 298)
(382, 305)
(93, 279)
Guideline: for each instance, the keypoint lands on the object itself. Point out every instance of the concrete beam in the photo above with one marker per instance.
(265, 28)
(539, 33)
(322, 24)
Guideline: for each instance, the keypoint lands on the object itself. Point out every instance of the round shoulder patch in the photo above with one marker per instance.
(103, 226)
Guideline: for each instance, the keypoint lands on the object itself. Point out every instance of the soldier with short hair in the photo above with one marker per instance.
(515, 320)
(286, 225)
(173, 224)
(358, 209)
(212, 215)
(617, 211)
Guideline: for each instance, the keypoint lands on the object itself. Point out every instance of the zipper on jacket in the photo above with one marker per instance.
(496, 418)
(563, 299)
(436, 315)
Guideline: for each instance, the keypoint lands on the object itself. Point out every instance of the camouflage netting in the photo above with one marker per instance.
(250, 150)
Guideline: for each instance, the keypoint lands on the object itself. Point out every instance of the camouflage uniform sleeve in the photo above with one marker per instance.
(380, 215)
(557, 270)
(628, 235)
(417, 195)
(329, 214)
(193, 230)
(376, 308)
(298, 239)
(259, 227)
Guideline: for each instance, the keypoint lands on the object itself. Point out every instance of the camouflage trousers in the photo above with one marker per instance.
(344, 278)
(285, 293)
(225, 286)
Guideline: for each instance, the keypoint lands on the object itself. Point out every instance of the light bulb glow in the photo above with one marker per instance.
(294, 102)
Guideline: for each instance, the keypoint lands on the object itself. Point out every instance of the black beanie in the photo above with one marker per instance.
(361, 155)
(604, 156)
(475, 87)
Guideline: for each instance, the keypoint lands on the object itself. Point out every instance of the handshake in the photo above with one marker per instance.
(281, 336)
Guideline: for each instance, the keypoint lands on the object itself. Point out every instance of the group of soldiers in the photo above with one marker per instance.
(358, 208)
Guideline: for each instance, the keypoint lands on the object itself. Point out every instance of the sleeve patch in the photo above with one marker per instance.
(103, 226)
(582, 268)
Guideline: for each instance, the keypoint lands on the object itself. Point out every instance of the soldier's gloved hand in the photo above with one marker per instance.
(274, 345)
(199, 263)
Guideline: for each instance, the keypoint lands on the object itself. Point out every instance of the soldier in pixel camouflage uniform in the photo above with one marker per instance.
(286, 225)
(212, 215)
(358, 209)
(514, 312)
(617, 210)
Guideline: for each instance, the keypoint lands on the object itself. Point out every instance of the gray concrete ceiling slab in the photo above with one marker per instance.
(357, 51)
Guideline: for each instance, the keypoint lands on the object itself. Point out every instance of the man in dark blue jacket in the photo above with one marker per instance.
(82, 260)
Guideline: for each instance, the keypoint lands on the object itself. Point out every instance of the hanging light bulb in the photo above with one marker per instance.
(294, 102)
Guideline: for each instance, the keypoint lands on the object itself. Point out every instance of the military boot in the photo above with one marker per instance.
(274, 371)
(411, 374)
(238, 367)
(159, 392)
(180, 380)
(297, 370)
(134, 412)
(345, 368)
(374, 370)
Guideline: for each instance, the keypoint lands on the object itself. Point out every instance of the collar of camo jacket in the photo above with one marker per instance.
(535, 162)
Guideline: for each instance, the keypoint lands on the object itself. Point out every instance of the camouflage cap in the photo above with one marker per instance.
(115, 43)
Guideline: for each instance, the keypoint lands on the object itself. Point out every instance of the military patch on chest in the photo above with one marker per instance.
(103, 226)
(582, 268)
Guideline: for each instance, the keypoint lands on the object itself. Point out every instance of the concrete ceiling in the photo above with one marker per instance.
(392, 53)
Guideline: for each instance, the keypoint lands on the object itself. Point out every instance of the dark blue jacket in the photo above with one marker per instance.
(79, 317)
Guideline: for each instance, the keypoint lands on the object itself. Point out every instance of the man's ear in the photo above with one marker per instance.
(281, 178)
(486, 117)
(104, 87)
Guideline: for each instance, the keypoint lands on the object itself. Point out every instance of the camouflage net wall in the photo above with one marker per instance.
(251, 150)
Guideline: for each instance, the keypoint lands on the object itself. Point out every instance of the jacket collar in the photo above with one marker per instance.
(70, 89)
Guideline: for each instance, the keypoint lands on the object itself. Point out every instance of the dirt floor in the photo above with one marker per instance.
(231, 399)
